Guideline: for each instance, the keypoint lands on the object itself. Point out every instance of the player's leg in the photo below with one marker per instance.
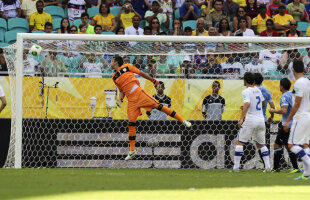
(292, 156)
(147, 102)
(298, 136)
(278, 149)
(244, 136)
(259, 137)
(133, 114)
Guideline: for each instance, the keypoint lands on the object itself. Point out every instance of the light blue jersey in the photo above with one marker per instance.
(286, 100)
(267, 97)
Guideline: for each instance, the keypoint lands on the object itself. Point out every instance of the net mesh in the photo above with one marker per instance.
(70, 118)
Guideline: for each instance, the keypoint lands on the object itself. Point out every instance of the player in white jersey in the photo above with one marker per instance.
(299, 133)
(251, 123)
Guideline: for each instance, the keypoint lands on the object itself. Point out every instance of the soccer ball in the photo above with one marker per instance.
(153, 142)
(36, 50)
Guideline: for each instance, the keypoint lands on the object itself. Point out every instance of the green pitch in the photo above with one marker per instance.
(149, 184)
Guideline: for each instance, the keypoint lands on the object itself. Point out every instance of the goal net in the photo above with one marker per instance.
(63, 111)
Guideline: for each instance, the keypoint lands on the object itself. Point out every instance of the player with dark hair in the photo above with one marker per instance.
(213, 105)
(282, 136)
(251, 122)
(298, 141)
(129, 86)
(163, 99)
(258, 80)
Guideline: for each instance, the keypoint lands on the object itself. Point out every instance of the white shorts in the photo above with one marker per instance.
(300, 130)
(252, 130)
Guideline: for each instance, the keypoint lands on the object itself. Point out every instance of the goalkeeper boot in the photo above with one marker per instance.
(131, 155)
(187, 123)
(301, 178)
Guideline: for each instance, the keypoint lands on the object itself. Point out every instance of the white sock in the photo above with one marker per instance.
(265, 154)
(238, 155)
(300, 152)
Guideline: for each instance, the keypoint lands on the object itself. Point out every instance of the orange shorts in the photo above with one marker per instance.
(137, 100)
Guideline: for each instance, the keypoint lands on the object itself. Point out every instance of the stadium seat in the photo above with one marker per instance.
(114, 10)
(64, 59)
(3, 44)
(3, 26)
(18, 24)
(37, 32)
(77, 22)
(75, 62)
(108, 33)
(303, 26)
(142, 24)
(93, 11)
(190, 23)
(10, 36)
(1, 37)
(56, 24)
(55, 11)
(177, 14)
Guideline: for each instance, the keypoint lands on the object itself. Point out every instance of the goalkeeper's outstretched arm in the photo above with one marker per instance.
(148, 77)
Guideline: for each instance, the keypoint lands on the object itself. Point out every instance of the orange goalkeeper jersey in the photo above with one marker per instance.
(125, 79)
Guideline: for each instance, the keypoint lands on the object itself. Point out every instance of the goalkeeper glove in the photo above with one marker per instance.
(119, 102)
(155, 83)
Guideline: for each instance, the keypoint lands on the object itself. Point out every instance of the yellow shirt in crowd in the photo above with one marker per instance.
(282, 20)
(104, 21)
(126, 19)
(38, 20)
(205, 33)
(260, 23)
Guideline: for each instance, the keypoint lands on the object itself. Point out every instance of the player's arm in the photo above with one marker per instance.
(270, 119)
(245, 109)
(293, 112)
(120, 99)
(282, 110)
(3, 100)
(148, 77)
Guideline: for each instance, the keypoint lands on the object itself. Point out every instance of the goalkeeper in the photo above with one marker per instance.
(129, 86)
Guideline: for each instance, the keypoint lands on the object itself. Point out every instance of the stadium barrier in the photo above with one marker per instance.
(64, 143)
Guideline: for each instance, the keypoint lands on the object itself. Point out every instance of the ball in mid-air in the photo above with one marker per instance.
(36, 50)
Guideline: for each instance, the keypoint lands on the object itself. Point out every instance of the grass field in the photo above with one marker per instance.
(149, 184)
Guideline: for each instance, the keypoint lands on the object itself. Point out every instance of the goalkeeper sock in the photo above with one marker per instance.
(238, 155)
(132, 135)
(305, 158)
(265, 155)
(293, 159)
(277, 156)
(170, 112)
(261, 157)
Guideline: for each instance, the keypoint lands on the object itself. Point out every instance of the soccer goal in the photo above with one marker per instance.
(63, 111)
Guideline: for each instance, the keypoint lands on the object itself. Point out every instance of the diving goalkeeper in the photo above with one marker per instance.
(129, 86)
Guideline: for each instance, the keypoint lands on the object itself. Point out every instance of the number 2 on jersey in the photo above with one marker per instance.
(258, 102)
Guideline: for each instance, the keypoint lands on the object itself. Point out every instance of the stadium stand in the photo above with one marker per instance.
(18, 24)
(56, 12)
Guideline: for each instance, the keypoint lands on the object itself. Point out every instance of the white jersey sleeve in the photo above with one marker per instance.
(302, 89)
(246, 96)
(1, 92)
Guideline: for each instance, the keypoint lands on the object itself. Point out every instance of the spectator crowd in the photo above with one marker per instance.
(264, 18)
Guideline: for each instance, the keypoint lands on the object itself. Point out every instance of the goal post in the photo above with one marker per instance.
(83, 153)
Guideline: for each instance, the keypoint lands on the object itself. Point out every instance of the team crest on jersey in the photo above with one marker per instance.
(244, 97)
